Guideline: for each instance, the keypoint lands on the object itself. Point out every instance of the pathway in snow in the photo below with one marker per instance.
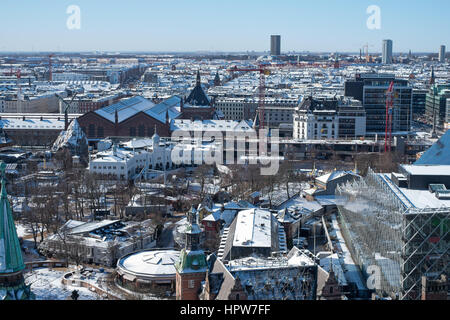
(46, 285)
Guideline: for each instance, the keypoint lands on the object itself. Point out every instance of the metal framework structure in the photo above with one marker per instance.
(389, 107)
(383, 228)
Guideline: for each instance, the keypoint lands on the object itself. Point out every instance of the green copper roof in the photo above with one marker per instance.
(191, 261)
(20, 292)
(10, 252)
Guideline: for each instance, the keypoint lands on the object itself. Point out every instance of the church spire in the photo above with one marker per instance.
(10, 252)
(198, 78)
(217, 79)
(12, 284)
(433, 79)
(192, 231)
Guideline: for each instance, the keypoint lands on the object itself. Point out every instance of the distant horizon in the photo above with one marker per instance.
(232, 26)
(207, 52)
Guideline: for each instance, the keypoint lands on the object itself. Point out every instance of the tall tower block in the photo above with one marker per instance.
(387, 51)
(275, 45)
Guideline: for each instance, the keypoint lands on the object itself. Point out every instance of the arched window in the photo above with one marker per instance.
(100, 132)
(141, 131)
(91, 132)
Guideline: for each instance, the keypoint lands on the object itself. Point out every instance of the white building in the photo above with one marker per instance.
(329, 118)
(210, 128)
(141, 157)
(276, 110)
(128, 160)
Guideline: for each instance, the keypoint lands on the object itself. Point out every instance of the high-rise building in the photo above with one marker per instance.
(370, 89)
(387, 52)
(442, 54)
(275, 45)
(436, 104)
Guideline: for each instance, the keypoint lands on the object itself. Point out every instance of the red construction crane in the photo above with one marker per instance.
(389, 110)
(262, 87)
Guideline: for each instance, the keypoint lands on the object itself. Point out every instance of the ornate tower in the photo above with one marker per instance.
(217, 79)
(198, 82)
(332, 289)
(12, 284)
(433, 78)
(191, 266)
(155, 138)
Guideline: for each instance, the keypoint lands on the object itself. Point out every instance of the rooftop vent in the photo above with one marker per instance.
(433, 188)
(443, 194)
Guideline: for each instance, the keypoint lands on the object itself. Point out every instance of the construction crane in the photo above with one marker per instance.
(389, 110)
(262, 87)
(365, 51)
(68, 104)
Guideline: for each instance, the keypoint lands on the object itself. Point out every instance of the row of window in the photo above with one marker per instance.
(99, 132)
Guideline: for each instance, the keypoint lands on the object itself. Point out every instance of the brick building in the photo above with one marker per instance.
(131, 117)
(197, 106)
(434, 289)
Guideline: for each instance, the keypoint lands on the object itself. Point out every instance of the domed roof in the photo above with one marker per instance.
(151, 263)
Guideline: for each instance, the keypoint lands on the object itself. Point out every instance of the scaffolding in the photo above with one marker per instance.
(382, 227)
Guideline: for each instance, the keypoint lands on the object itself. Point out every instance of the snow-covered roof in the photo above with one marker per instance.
(92, 226)
(427, 170)
(334, 261)
(211, 125)
(150, 263)
(334, 175)
(128, 108)
(253, 229)
(424, 199)
(32, 123)
(72, 138)
(172, 105)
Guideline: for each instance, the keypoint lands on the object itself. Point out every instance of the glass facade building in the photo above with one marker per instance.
(385, 230)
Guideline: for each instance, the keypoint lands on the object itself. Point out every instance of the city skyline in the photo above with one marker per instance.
(176, 26)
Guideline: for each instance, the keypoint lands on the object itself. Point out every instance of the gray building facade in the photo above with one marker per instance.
(275, 45)
(387, 51)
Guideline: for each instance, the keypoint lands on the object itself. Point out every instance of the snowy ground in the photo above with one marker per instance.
(351, 270)
(46, 285)
(22, 230)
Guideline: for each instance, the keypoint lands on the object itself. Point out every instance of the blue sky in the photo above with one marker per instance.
(227, 25)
